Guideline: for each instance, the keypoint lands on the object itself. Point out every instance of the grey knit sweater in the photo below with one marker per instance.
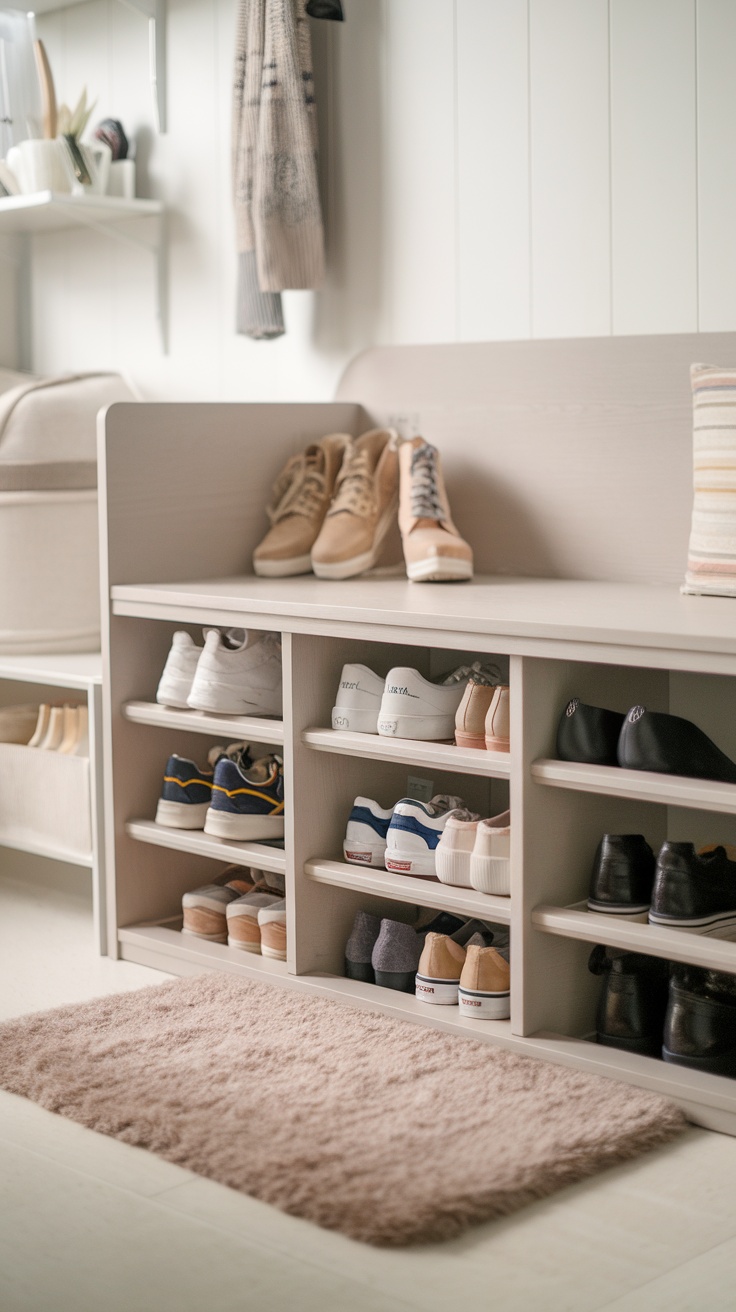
(278, 220)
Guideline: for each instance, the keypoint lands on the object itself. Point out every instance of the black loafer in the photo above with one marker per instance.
(700, 1025)
(622, 877)
(589, 734)
(633, 1000)
(694, 890)
(652, 740)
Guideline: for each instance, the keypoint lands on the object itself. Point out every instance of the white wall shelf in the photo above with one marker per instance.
(243, 728)
(200, 844)
(371, 747)
(639, 785)
(406, 888)
(23, 843)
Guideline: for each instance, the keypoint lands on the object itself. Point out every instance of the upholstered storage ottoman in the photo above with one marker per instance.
(49, 558)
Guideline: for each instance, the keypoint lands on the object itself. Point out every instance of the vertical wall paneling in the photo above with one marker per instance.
(716, 47)
(418, 284)
(653, 166)
(492, 134)
(570, 177)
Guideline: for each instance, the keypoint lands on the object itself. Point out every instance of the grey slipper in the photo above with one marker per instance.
(396, 956)
(359, 947)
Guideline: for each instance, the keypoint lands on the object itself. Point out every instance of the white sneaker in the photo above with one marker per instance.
(181, 663)
(452, 858)
(365, 836)
(358, 700)
(413, 707)
(238, 674)
(414, 833)
(490, 861)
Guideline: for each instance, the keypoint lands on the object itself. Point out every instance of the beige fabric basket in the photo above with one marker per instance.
(45, 800)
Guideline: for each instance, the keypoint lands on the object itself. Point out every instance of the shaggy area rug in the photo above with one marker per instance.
(390, 1132)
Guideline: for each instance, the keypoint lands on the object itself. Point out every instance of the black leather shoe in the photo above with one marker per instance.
(651, 740)
(633, 1000)
(622, 877)
(589, 734)
(694, 890)
(700, 1025)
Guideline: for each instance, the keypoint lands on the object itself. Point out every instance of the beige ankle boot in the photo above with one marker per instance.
(433, 549)
(300, 500)
(363, 508)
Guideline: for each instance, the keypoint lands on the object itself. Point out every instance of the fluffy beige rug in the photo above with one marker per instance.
(387, 1131)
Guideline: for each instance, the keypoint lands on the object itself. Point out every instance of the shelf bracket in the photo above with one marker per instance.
(155, 12)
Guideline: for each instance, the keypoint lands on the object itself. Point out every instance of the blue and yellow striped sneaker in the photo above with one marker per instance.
(247, 803)
(187, 787)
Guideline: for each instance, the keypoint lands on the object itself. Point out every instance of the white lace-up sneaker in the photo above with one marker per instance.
(365, 836)
(414, 707)
(414, 832)
(175, 684)
(358, 700)
(238, 674)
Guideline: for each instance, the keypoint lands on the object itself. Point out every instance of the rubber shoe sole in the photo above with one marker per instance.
(621, 910)
(281, 569)
(452, 867)
(491, 874)
(443, 992)
(439, 569)
(364, 854)
(718, 925)
(354, 721)
(484, 1006)
(181, 815)
(221, 824)
(420, 865)
(422, 728)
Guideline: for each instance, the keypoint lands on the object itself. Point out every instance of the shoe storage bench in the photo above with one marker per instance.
(555, 454)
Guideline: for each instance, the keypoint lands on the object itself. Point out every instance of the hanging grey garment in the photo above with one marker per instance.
(278, 220)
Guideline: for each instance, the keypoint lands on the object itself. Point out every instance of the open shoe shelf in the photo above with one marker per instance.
(406, 888)
(611, 644)
(196, 842)
(242, 728)
(640, 785)
(464, 760)
(653, 940)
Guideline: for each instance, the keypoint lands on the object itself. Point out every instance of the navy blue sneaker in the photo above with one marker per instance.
(187, 789)
(365, 836)
(247, 803)
(415, 831)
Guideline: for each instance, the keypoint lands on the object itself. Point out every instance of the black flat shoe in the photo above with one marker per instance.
(694, 890)
(633, 1000)
(700, 1025)
(589, 734)
(622, 877)
(652, 740)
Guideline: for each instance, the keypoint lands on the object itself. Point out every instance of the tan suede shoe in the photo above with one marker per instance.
(300, 500)
(497, 721)
(440, 968)
(484, 991)
(470, 717)
(363, 508)
(433, 549)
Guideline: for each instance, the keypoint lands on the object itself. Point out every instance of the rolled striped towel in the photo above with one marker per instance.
(711, 564)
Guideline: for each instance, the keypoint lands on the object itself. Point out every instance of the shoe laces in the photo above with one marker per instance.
(488, 674)
(239, 753)
(355, 492)
(300, 488)
(425, 495)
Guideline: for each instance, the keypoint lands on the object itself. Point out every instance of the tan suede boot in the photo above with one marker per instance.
(363, 508)
(484, 991)
(300, 500)
(440, 968)
(433, 549)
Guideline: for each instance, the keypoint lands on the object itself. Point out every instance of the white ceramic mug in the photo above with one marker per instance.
(41, 165)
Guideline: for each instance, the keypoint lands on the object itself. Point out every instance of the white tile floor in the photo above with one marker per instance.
(88, 1224)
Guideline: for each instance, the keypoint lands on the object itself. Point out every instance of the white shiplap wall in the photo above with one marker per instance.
(493, 168)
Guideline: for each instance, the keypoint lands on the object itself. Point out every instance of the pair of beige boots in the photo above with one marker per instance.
(332, 507)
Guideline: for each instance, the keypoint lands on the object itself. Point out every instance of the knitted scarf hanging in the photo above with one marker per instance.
(278, 221)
